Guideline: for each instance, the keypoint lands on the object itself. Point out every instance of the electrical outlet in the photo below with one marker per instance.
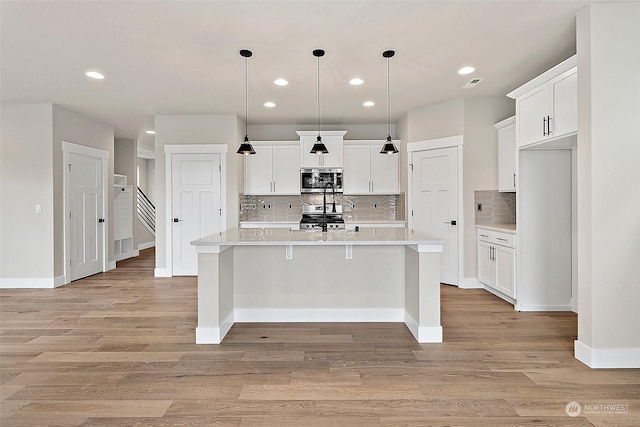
(479, 207)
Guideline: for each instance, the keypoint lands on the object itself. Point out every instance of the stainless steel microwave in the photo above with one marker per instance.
(316, 180)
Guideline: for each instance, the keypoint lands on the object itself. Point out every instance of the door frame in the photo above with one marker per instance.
(456, 141)
(67, 149)
(169, 150)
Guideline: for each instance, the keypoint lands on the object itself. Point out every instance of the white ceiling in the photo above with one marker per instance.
(182, 57)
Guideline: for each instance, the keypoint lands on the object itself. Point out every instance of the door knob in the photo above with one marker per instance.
(177, 220)
(452, 222)
(100, 220)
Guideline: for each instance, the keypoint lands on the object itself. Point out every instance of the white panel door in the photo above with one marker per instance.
(86, 216)
(196, 206)
(286, 169)
(384, 172)
(531, 112)
(357, 174)
(257, 171)
(435, 203)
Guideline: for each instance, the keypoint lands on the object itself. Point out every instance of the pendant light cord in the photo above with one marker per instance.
(318, 90)
(246, 97)
(388, 103)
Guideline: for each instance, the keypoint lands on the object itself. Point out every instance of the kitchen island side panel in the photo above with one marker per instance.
(319, 277)
(215, 296)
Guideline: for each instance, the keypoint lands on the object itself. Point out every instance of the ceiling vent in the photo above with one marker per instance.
(472, 83)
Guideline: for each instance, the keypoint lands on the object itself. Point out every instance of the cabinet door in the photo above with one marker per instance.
(357, 177)
(565, 104)
(286, 170)
(485, 264)
(333, 159)
(531, 109)
(307, 159)
(507, 158)
(505, 275)
(257, 171)
(384, 172)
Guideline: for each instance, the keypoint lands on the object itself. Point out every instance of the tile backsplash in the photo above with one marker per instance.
(354, 208)
(496, 207)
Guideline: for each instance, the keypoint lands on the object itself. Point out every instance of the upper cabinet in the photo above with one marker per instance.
(333, 141)
(507, 155)
(274, 169)
(546, 107)
(366, 171)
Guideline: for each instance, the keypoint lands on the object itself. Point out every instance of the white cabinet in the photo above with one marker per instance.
(123, 220)
(366, 171)
(547, 106)
(507, 155)
(497, 261)
(274, 169)
(331, 139)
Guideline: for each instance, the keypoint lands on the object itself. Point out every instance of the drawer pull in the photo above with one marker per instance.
(500, 238)
(483, 235)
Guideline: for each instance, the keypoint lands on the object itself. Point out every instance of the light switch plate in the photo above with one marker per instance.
(38, 209)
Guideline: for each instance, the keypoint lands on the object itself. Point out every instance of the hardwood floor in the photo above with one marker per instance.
(118, 349)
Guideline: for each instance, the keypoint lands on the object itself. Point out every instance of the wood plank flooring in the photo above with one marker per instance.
(117, 349)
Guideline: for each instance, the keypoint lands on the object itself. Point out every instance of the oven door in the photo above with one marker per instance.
(316, 180)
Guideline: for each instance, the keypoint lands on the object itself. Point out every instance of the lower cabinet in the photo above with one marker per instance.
(497, 261)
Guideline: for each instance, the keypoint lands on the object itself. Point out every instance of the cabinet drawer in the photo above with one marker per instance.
(496, 237)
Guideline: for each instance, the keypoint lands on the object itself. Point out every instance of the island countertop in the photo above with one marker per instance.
(279, 236)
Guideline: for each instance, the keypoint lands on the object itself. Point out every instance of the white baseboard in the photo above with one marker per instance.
(423, 334)
(162, 272)
(319, 315)
(602, 358)
(520, 307)
(574, 305)
(471, 283)
(136, 252)
(502, 296)
(110, 265)
(32, 283)
(147, 245)
(211, 335)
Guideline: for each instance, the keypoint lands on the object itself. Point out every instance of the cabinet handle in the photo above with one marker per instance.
(548, 125)
(484, 235)
(274, 186)
(490, 253)
(544, 126)
(514, 180)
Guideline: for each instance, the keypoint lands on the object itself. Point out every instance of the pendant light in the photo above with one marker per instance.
(246, 148)
(389, 147)
(319, 147)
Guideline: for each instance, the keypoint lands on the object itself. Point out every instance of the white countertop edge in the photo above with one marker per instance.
(280, 237)
(505, 228)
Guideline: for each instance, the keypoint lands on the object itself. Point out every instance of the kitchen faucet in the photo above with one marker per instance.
(324, 204)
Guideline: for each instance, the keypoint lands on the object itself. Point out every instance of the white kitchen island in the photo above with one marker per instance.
(280, 275)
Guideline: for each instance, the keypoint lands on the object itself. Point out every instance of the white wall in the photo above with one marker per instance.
(608, 185)
(479, 162)
(288, 132)
(195, 129)
(474, 119)
(32, 136)
(26, 174)
(83, 130)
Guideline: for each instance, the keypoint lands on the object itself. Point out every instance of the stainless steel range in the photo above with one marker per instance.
(313, 217)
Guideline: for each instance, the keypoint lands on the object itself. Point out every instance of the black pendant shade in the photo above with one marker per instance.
(389, 147)
(319, 147)
(246, 148)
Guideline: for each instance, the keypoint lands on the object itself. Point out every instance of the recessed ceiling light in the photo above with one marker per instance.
(281, 82)
(466, 70)
(368, 103)
(94, 75)
(150, 132)
(269, 104)
(356, 81)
